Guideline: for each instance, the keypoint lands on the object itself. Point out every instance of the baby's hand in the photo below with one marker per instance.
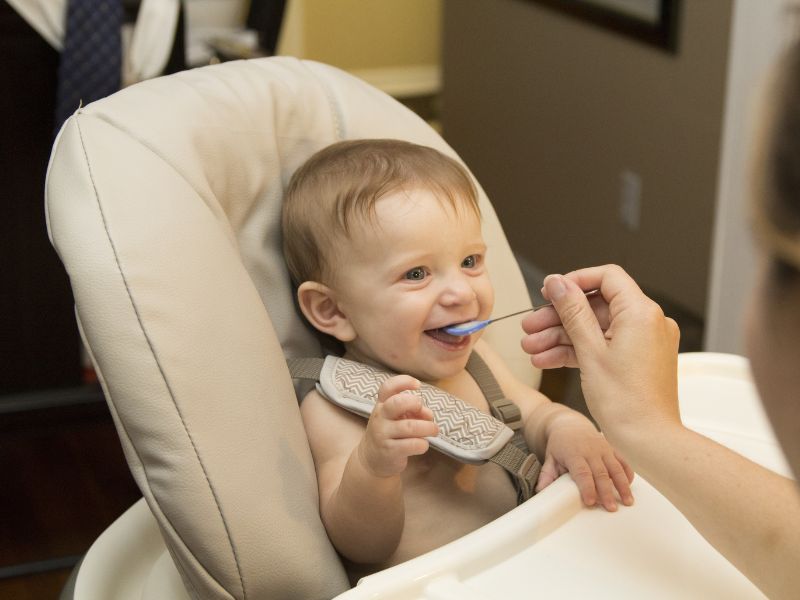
(574, 445)
(397, 428)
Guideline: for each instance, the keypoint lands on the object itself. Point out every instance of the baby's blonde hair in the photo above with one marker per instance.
(342, 182)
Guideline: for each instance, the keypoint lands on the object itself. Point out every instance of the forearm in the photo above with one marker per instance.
(750, 514)
(364, 514)
(543, 419)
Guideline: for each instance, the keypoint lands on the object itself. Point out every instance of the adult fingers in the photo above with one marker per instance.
(555, 358)
(545, 339)
(547, 317)
(611, 280)
(539, 320)
(576, 315)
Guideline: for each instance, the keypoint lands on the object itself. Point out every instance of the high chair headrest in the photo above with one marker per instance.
(163, 202)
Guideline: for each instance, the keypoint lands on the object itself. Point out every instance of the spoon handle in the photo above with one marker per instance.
(588, 294)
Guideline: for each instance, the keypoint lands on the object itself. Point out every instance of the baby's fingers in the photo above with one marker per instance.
(605, 484)
(548, 474)
(411, 446)
(628, 471)
(395, 385)
(582, 475)
(411, 428)
(424, 413)
(401, 405)
(622, 476)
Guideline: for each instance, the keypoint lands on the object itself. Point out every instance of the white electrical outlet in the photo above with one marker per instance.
(630, 199)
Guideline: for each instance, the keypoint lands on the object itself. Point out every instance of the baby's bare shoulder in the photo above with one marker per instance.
(330, 429)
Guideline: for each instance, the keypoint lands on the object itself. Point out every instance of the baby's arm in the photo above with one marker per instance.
(358, 468)
(567, 440)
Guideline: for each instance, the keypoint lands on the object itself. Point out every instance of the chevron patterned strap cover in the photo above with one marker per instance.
(465, 433)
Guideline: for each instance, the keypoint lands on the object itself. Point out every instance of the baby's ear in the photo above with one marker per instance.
(319, 305)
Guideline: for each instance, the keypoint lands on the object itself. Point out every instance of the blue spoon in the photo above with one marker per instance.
(469, 327)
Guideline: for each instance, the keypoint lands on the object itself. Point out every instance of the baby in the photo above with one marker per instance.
(383, 238)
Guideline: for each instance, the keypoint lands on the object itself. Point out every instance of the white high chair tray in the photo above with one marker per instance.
(552, 547)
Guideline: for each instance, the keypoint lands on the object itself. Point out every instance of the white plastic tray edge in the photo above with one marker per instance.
(476, 551)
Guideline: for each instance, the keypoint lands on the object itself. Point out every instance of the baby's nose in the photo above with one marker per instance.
(457, 291)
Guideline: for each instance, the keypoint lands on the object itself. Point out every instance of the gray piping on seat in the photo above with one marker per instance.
(158, 363)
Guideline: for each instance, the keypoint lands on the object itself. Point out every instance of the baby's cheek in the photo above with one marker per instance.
(486, 297)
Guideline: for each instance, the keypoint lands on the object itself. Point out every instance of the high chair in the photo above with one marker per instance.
(163, 202)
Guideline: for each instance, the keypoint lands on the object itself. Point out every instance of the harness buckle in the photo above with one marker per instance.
(527, 476)
(508, 412)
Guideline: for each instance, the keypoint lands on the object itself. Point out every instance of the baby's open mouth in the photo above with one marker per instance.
(443, 336)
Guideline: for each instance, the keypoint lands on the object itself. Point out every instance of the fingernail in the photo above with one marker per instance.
(555, 286)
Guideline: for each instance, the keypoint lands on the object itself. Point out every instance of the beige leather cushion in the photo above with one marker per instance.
(163, 202)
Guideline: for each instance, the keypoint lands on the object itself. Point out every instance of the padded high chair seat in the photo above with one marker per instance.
(163, 202)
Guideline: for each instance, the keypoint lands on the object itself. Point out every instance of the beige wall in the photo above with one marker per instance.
(548, 111)
(365, 34)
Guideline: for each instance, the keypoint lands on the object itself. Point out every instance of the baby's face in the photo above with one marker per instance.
(418, 267)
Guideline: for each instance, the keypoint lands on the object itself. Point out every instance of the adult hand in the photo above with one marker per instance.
(624, 346)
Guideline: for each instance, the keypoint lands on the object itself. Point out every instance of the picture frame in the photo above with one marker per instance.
(653, 22)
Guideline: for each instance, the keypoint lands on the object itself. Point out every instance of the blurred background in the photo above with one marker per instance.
(602, 130)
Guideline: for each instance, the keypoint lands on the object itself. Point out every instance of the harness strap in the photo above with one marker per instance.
(305, 368)
(522, 466)
(514, 456)
(502, 408)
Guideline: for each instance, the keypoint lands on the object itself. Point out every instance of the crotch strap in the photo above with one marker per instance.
(465, 433)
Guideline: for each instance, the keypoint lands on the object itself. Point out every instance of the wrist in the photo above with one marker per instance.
(551, 417)
(638, 439)
(369, 464)
(564, 417)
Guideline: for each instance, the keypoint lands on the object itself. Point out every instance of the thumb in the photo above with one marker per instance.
(576, 315)
(548, 473)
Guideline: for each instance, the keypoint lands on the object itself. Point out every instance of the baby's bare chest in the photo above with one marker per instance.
(464, 387)
(435, 475)
(445, 499)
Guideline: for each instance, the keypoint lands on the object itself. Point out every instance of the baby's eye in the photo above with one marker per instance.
(470, 262)
(416, 274)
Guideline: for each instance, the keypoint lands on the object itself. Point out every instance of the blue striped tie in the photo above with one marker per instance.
(91, 60)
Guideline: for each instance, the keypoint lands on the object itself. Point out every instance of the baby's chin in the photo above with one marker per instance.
(429, 370)
(436, 372)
